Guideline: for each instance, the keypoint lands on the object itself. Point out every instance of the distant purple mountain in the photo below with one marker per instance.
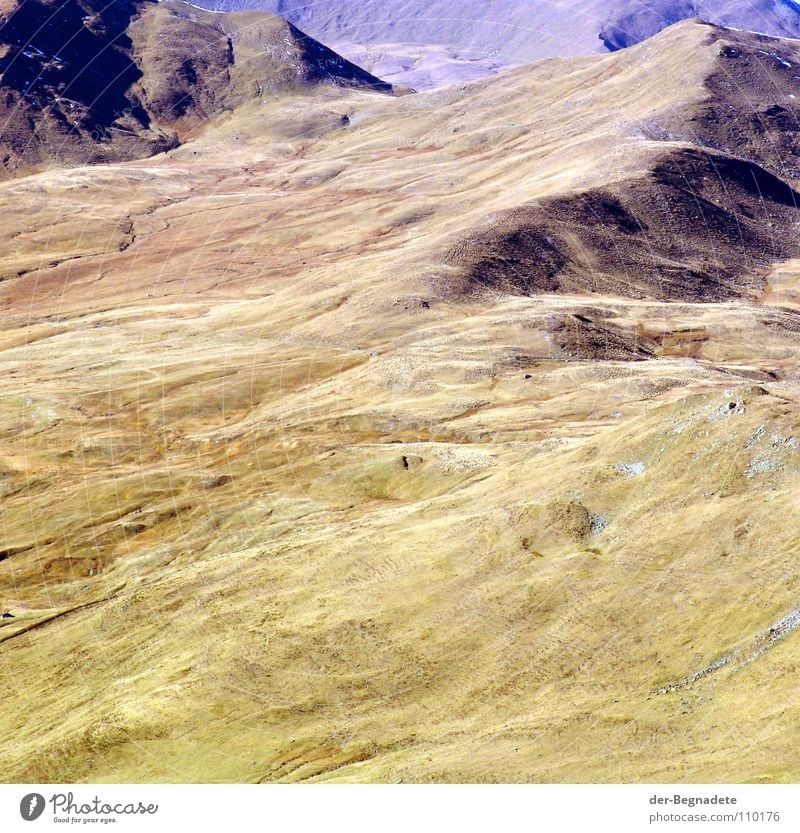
(429, 42)
(633, 22)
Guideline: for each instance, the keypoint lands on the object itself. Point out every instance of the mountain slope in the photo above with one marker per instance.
(82, 80)
(695, 224)
(696, 227)
(478, 37)
(634, 21)
(296, 488)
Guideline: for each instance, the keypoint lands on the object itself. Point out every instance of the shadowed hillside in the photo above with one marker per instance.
(85, 81)
(697, 227)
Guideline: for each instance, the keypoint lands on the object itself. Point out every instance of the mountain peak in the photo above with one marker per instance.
(87, 81)
(430, 43)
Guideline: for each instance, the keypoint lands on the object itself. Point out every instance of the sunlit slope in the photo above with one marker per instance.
(290, 491)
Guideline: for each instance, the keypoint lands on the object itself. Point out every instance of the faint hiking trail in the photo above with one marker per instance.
(743, 655)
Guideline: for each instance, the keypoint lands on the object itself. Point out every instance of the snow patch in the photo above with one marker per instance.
(631, 469)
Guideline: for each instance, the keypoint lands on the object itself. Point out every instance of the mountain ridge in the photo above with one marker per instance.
(87, 81)
(479, 37)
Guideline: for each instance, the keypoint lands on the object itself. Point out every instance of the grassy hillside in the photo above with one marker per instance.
(297, 487)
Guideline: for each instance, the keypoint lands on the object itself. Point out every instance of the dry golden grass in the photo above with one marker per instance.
(275, 509)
